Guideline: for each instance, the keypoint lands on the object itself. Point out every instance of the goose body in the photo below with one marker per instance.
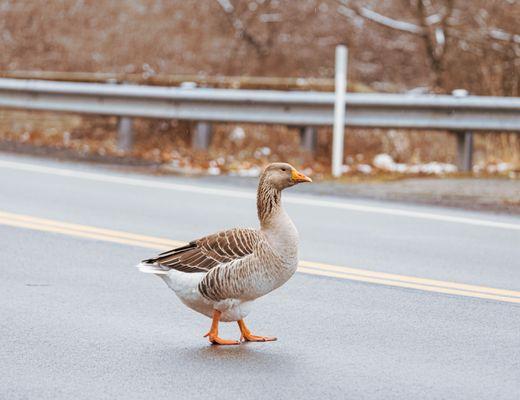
(221, 275)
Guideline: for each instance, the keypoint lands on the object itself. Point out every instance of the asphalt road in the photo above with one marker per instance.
(78, 321)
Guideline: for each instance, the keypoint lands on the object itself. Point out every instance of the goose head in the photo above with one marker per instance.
(283, 175)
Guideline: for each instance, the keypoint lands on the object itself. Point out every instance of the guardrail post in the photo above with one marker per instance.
(125, 134)
(309, 138)
(465, 151)
(201, 137)
(339, 110)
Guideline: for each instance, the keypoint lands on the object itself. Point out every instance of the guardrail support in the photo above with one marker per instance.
(339, 110)
(465, 151)
(309, 138)
(125, 134)
(201, 137)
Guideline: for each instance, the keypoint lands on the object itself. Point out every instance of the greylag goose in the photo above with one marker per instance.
(220, 275)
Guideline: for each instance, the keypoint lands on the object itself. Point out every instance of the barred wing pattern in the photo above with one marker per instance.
(210, 251)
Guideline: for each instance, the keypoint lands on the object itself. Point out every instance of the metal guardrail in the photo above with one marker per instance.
(435, 112)
(296, 108)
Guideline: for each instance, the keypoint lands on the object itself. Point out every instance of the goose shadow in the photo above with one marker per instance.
(246, 354)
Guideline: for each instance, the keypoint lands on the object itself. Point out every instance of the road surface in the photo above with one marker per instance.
(393, 301)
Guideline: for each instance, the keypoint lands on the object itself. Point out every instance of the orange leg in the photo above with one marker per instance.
(213, 332)
(249, 337)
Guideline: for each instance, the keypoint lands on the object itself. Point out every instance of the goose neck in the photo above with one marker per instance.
(268, 203)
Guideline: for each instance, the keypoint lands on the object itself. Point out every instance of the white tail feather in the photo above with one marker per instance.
(152, 269)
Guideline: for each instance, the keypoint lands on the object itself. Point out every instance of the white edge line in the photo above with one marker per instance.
(249, 195)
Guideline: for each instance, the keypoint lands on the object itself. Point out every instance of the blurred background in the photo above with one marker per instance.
(395, 46)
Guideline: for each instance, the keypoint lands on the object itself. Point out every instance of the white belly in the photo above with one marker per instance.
(185, 286)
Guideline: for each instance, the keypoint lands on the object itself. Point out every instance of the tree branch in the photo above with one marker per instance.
(499, 34)
(380, 19)
(350, 11)
(241, 29)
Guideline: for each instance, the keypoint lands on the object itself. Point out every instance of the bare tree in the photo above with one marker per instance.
(437, 24)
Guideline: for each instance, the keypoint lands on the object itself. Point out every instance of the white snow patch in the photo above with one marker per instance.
(364, 168)
(401, 168)
(503, 167)
(214, 170)
(188, 85)
(237, 134)
(345, 168)
(384, 161)
(265, 151)
(437, 168)
(459, 93)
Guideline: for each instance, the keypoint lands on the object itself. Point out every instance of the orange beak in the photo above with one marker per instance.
(298, 177)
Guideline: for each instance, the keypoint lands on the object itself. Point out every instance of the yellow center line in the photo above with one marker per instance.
(90, 229)
(410, 285)
(307, 267)
(362, 273)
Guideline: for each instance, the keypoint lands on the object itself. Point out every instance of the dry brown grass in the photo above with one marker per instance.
(168, 142)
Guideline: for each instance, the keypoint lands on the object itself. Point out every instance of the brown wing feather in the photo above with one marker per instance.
(208, 252)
